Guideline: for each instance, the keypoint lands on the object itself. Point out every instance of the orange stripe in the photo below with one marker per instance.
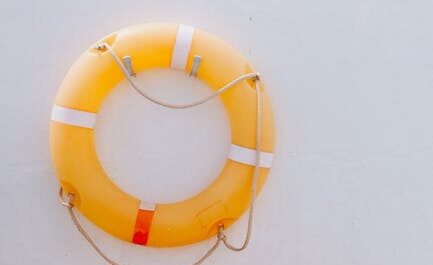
(142, 227)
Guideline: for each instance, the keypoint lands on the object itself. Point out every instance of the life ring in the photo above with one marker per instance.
(88, 82)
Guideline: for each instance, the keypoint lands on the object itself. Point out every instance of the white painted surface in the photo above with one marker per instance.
(351, 84)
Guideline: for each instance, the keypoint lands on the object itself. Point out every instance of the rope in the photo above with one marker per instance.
(169, 105)
(68, 204)
(255, 176)
(221, 237)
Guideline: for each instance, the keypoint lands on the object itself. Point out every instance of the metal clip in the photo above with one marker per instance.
(128, 64)
(195, 66)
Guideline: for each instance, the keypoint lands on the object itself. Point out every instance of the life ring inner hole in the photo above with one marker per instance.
(158, 154)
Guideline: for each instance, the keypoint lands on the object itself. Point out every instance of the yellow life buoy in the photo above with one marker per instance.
(95, 74)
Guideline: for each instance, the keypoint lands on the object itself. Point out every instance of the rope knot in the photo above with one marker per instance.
(101, 46)
(221, 235)
(68, 202)
(256, 77)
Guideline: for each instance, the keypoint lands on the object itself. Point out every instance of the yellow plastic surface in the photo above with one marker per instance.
(86, 86)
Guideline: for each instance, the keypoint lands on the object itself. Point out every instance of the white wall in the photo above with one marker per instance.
(351, 85)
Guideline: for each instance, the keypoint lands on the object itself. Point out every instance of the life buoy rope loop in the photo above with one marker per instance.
(74, 115)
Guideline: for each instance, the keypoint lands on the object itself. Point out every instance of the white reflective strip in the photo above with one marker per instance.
(248, 156)
(147, 206)
(73, 117)
(181, 47)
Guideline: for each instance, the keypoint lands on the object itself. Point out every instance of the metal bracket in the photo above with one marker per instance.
(195, 66)
(128, 64)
